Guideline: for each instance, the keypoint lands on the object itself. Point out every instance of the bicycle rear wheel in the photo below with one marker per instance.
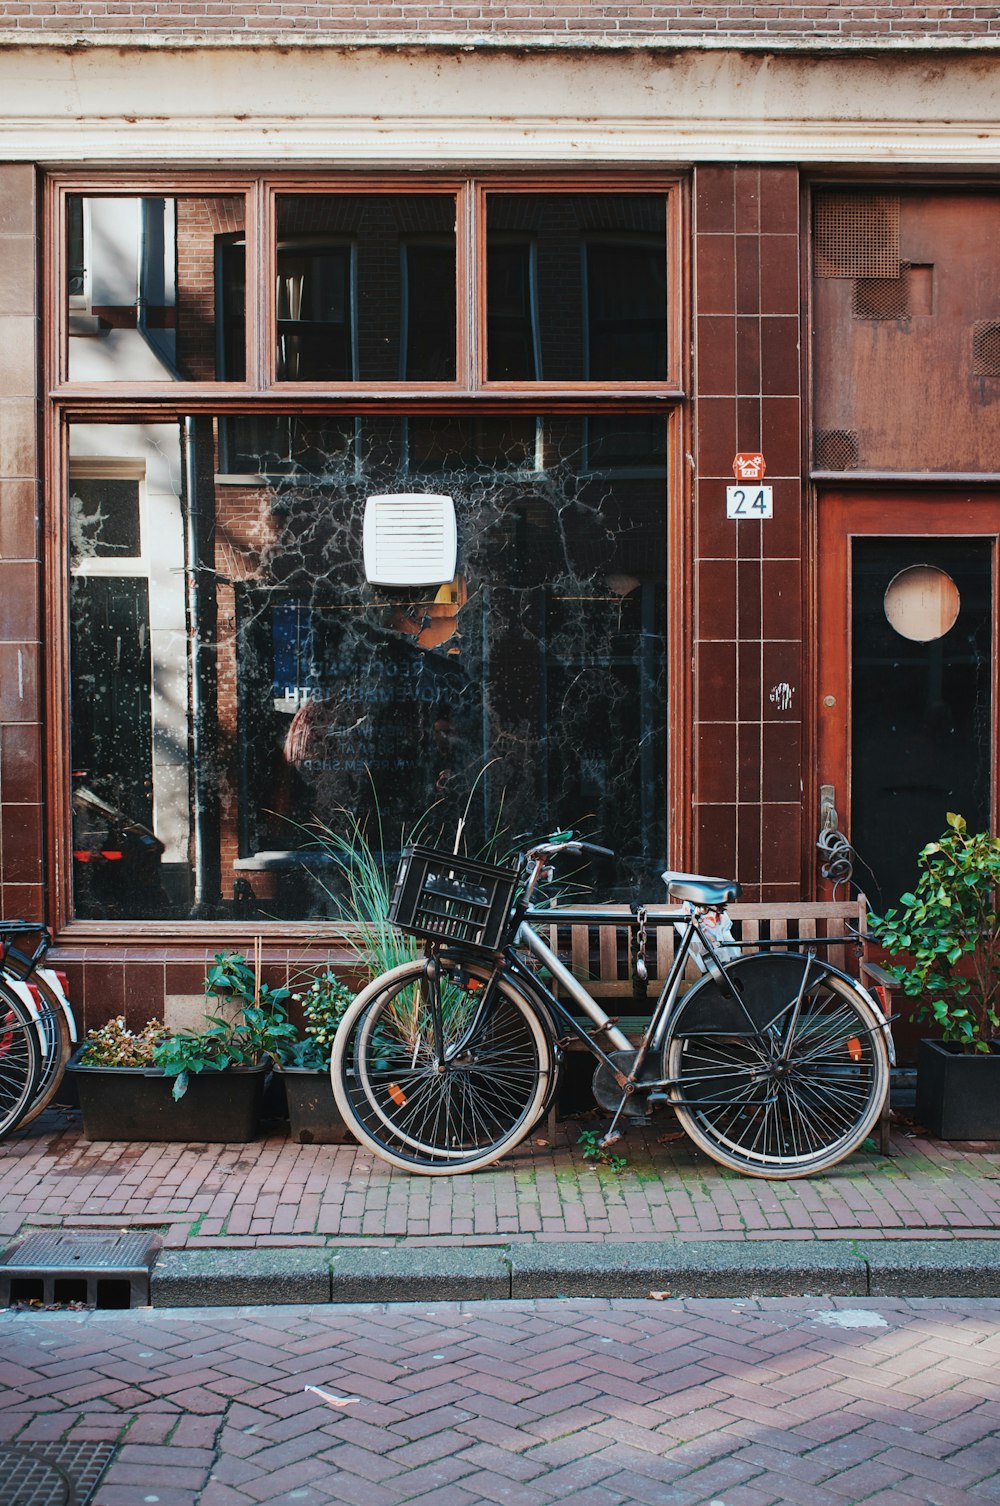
(20, 1059)
(758, 1109)
(430, 1078)
(57, 1047)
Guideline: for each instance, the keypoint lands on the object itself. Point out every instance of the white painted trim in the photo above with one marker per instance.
(348, 143)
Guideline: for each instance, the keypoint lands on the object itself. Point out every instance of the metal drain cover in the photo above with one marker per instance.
(27, 1480)
(52, 1474)
(98, 1269)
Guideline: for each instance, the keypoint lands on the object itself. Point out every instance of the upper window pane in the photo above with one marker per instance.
(366, 288)
(155, 289)
(576, 287)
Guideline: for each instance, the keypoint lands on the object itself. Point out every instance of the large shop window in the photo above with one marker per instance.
(242, 681)
(525, 692)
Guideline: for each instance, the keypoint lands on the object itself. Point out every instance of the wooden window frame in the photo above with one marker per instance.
(261, 393)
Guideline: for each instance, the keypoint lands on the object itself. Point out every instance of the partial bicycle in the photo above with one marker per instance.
(37, 1027)
(775, 1062)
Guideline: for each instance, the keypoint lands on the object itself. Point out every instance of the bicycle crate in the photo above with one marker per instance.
(447, 898)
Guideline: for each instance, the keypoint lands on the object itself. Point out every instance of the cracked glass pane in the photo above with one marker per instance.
(240, 691)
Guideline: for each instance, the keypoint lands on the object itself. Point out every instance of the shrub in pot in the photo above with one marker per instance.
(198, 1085)
(313, 1116)
(948, 929)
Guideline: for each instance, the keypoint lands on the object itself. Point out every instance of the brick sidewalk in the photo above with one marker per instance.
(808, 1402)
(273, 1192)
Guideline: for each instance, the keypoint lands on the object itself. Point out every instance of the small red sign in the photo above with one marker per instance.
(747, 467)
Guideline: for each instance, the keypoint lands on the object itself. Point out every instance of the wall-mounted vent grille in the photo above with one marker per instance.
(883, 297)
(410, 539)
(856, 235)
(986, 347)
(835, 450)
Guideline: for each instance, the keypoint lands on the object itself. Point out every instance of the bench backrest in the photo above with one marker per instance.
(601, 955)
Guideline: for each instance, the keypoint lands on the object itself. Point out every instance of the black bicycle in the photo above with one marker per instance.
(776, 1063)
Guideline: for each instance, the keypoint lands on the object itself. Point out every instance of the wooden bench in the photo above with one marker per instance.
(603, 956)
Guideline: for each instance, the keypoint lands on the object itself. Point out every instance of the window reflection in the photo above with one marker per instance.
(238, 685)
(155, 289)
(576, 287)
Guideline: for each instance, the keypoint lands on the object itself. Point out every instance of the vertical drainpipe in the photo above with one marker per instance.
(201, 637)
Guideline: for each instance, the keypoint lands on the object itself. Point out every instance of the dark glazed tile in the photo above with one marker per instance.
(715, 761)
(715, 839)
(748, 621)
(783, 682)
(716, 355)
(779, 274)
(21, 763)
(780, 436)
(748, 355)
(715, 682)
(781, 844)
(747, 195)
(103, 993)
(17, 200)
(716, 606)
(748, 769)
(186, 977)
(715, 275)
(18, 534)
(748, 426)
(782, 599)
(715, 435)
(22, 901)
(747, 274)
(782, 537)
(18, 602)
(779, 356)
(716, 534)
(18, 438)
(18, 683)
(18, 342)
(749, 682)
(748, 844)
(713, 199)
(781, 771)
(779, 200)
(144, 991)
(22, 844)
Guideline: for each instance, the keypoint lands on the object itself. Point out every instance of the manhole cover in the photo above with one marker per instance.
(27, 1480)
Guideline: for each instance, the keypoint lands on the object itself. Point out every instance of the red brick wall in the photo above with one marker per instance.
(565, 19)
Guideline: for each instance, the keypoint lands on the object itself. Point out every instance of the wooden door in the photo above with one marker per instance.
(906, 672)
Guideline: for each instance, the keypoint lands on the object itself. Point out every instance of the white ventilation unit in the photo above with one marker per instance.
(410, 539)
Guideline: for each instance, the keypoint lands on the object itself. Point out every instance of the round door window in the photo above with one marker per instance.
(922, 603)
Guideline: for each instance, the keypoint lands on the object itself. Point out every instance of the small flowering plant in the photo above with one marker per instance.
(114, 1045)
(324, 1002)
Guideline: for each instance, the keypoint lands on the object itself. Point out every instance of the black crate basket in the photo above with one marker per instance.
(447, 898)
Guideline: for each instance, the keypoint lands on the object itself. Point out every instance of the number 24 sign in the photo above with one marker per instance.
(751, 501)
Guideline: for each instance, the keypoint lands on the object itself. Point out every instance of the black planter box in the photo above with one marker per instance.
(135, 1103)
(958, 1092)
(313, 1115)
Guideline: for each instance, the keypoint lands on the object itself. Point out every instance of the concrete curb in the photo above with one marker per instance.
(606, 1268)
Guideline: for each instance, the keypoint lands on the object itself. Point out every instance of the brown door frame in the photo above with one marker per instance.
(884, 512)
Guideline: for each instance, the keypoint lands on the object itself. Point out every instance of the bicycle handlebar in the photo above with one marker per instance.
(550, 849)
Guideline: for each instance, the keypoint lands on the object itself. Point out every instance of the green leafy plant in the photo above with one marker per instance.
(324, 1002)
(598, 1154)
(231, 976)
(224, 1043)
(949, 928)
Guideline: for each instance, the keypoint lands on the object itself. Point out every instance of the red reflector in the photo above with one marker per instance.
(112, 857)
(81, 856)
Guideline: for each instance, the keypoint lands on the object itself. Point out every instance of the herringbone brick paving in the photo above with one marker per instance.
(274, 1192)
(802, 1402)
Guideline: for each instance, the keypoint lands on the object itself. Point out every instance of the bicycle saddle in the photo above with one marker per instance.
(701, 891)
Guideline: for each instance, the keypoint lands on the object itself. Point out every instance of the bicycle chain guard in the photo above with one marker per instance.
(609, 1095)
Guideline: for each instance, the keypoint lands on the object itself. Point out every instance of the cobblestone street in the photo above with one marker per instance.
(696, 1403)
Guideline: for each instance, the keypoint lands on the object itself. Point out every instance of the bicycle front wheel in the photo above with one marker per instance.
(438, 1071)
(54, 1029)
(20, 1059)
(762, 1104)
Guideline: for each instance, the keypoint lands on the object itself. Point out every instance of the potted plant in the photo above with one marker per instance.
(949, 930)
(188, 1085)
(313, 1116)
